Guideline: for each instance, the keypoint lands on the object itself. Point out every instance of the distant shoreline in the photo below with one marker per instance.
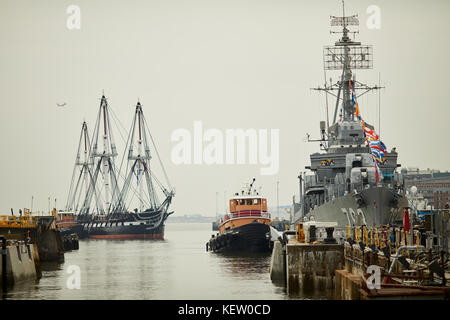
(192, 219)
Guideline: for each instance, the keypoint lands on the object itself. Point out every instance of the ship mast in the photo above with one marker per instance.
(139, 167)
(84, 166)
(346, 55)
(104, 160)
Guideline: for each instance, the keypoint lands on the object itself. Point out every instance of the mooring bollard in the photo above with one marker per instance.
(330, 238)
(312, 234)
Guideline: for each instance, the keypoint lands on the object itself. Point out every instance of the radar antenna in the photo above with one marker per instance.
(346, 55)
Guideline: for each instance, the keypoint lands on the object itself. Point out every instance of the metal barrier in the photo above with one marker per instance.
(17, 222)
(384, 237)
(246, 214)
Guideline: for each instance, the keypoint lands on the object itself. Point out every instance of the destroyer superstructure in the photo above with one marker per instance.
(353, 181)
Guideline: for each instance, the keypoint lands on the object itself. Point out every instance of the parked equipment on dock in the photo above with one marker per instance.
(18, 227)
(39, 230)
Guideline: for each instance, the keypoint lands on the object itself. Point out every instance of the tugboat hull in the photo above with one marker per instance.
(252, 237)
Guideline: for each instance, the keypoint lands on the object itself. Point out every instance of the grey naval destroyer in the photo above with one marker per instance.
(353, 180)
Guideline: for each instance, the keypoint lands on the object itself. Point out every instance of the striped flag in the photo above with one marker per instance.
(376, 146)
(358, 115)
(370, 134)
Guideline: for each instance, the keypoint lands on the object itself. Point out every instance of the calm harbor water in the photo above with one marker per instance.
(175, 268)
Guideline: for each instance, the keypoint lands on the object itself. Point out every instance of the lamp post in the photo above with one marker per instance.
(278, 203)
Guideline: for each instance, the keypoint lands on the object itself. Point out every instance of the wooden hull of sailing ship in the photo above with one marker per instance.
(134, 227)
(251, 237)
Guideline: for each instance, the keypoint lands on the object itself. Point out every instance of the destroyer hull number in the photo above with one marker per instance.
(352, 216)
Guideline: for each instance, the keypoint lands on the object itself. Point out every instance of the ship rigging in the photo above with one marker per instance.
(101, 204)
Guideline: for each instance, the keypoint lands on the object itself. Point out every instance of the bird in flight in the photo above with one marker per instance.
(61, 105)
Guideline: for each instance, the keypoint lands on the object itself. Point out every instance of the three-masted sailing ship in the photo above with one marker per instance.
(99, 203)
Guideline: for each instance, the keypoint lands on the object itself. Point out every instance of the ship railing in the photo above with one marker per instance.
(389, 238)
(246, 214)
(360, 186)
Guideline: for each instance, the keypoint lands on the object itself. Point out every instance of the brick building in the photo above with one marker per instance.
(432, 184)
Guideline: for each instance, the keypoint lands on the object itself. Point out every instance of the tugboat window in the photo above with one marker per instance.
(242, 202)
(249, 201)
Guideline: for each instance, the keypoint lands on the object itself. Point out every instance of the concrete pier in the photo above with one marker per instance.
(278, 263)
(348, 285)
(366, 266)
(49, 240)
(306, 268)
(40, 230)
(311, 267)
(20, 264)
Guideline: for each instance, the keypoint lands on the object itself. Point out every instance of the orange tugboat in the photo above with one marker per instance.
(246, 227)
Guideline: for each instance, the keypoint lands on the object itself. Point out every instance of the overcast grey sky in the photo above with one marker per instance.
(231, 64)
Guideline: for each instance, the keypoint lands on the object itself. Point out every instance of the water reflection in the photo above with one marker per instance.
(244, 265)
(175, 268)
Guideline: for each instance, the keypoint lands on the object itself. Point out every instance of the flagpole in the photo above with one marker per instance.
(379, 105)
(278, 203)
(374, 136)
